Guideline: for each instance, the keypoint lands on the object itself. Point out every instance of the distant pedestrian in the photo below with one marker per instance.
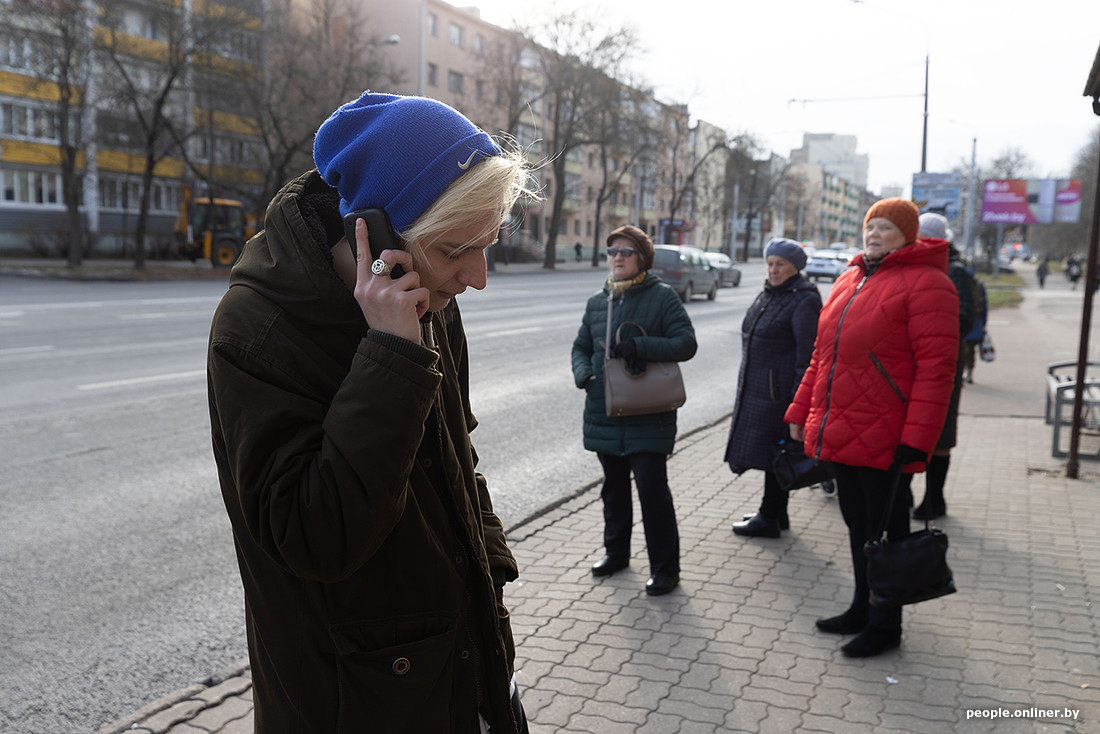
(875, 395)
(972, 341)
(1043, 271)
(636, 445)
(578, 249)
(777, 340)
(1073, 272)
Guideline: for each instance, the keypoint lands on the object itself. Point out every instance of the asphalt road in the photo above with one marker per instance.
(118, 581)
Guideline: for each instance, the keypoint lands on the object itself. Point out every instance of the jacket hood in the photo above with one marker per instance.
(290, 261)
(924, 251)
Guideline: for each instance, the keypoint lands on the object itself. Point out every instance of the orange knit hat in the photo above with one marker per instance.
(903, 213)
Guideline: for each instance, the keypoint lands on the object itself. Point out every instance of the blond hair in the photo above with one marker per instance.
(493, 185)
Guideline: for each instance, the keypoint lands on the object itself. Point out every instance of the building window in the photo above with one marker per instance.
(431, 24)
(433, 75)
(480, 89)
(573, 187)
(479, 44)
(30, 187)
(454, 35)
(454, 82)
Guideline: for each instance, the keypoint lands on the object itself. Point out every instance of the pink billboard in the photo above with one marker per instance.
(1031, 201)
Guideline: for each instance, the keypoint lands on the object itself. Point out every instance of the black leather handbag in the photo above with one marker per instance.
(794, 470)
(909, 569)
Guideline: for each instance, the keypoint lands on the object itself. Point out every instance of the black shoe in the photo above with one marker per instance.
(844, 624)
(660, 583)
(928, 511)
(609, 565)
(872, 641)
(784, 520)
(757, 527)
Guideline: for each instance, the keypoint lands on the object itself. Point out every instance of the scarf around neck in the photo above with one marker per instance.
(620, 286)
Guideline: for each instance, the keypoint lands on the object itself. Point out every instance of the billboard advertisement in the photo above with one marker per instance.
(939, 193)
(1031, 200)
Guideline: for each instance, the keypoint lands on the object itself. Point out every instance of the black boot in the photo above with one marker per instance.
(933, 505)
(784, 520)
(872, 641)
(843, 624)
(758, 527)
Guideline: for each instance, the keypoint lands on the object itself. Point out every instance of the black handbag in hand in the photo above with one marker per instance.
(794, 470)
(909, 569)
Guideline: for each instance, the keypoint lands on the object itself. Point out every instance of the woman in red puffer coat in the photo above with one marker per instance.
(877, 391)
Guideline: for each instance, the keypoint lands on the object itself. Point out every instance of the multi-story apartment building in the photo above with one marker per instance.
(501, 81)
(129, 86)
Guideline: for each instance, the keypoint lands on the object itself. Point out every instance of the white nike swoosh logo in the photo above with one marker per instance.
(466, 165)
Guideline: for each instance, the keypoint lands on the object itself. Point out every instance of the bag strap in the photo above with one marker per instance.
(607, 340)
(895, 482)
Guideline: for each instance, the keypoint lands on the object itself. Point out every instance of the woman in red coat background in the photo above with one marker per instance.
(877, 391)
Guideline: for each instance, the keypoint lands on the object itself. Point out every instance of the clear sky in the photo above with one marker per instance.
(1009, 73)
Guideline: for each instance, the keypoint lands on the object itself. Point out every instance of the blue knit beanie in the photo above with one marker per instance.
(789, 250)
(396, 153)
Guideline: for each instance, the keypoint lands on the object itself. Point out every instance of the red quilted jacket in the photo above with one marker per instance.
(884, 360)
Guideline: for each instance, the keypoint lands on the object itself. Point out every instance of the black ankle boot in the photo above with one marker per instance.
(872, 641)
(848, 623)
(933, 505)
(784, 520)
(757, 527)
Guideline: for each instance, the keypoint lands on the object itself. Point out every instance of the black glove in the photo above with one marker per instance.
(626, 349)
(908, 455)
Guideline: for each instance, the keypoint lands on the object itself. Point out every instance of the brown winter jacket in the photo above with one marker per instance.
(369, 550)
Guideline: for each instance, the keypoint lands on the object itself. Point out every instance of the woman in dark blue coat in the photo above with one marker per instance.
(777, 340)
(638, 444)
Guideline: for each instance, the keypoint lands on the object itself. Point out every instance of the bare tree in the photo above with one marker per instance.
(575, 57)
(151, 77)
(319, 55)
(757, 180)
(62, 46)
(688, 156)
(622, 136)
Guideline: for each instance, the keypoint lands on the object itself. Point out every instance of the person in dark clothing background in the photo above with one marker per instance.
(934, 227)
(372, 562)
(777, 340)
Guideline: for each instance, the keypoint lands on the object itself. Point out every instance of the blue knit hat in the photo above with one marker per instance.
(396, 153)
(789, 250)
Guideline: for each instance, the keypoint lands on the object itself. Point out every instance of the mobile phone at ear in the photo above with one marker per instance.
(380, 234)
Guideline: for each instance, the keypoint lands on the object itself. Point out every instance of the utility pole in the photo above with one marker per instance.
(924, 140)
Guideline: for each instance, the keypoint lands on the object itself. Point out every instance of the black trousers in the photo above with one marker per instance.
(658, 514)
(863, 493)
(774, 504)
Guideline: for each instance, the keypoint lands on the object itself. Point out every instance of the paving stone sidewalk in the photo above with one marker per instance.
(735, 648)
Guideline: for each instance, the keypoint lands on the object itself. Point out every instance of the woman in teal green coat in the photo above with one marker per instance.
(639, 444)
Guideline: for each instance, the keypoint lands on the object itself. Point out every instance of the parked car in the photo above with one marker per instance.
(826, 264)
(728, 273)
(686, 269)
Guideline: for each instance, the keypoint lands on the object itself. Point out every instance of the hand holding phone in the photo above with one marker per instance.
(388, 306)
(380, 235)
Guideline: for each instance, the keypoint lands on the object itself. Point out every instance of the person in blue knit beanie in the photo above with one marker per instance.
(372, 561)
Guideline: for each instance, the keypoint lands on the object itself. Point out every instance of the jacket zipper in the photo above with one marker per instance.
(886, 374)
(832, 368)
